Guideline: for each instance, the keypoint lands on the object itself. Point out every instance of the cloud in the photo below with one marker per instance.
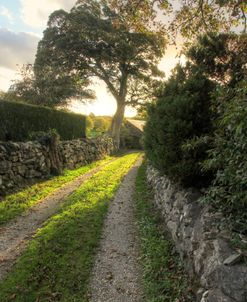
(35, 13)
(17, 48)
(6, 78)
(6, 13)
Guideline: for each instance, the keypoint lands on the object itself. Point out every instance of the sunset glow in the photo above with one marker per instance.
(19, 36)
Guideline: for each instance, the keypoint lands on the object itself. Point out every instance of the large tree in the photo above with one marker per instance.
(93, 40)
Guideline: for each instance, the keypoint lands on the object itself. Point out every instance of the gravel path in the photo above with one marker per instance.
(116, 274)
(16, 234)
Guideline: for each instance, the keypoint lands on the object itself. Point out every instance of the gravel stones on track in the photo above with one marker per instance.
(116, 275)
(16, 234)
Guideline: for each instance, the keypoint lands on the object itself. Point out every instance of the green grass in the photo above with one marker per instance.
(164, 279)
(17, 203)
(57, 263)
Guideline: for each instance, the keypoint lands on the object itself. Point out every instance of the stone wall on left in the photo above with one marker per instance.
(26, 162)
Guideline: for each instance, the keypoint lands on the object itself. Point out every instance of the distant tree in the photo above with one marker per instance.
(92, 115)
(94, 41)
(101, 124)
(51, 90)
(89, 123)
(2, 94)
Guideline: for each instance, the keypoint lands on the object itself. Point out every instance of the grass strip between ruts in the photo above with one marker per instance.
(57, 263)
(17, 203)
(164, 279)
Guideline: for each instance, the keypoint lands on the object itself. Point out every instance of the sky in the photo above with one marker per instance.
(22, 23)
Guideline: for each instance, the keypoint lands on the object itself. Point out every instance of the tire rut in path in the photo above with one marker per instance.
(15, 235)
(116, 275)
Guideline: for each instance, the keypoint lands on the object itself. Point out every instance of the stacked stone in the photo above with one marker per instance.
(23, 163)
(77, 153)
(204, 247)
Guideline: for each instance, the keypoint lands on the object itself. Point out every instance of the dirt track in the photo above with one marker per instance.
(15, 235)
(116, 275)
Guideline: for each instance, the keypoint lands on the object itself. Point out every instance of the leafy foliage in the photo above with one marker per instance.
(93, 41)
(182, 112)
(185, 16)
(221, 57)
(18, 121)
(141, 15)
(208, 16)
(101, 124)
(98, 125)
(50, 89)
(89, 124)
(197, 128)
(229, 158)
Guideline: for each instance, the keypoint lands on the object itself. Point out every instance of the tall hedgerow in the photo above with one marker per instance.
(228, 157)
(19, 121)
(197, 129)
(181, 113)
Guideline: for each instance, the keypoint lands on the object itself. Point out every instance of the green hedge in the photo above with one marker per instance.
(229, 158)
(18, 121)
(181, 113)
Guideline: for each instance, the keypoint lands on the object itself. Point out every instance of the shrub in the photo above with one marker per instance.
(101, 124)
(229, 157)
(18, 121)
(89, 124)
(182, 112)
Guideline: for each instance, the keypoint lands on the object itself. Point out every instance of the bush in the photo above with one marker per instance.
(97, 125)
(182, 112)
(229, 157)
(89, 124)
(101, 124)
(18, 121)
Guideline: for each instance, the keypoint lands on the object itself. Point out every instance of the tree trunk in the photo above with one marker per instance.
(116, 124)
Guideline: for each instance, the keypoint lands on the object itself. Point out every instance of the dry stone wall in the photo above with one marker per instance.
(22, 163)
(220, 271)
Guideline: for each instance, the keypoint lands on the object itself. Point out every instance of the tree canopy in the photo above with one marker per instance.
(94, 41)
(184, 17)
(221, 57)
(50, 89)
(203, 16)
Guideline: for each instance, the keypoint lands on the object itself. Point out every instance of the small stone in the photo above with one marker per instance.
(109, 276)
(4, 166)
(233, 259)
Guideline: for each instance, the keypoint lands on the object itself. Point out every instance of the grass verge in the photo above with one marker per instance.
(164, 279)
(17, 203)
(58, 261)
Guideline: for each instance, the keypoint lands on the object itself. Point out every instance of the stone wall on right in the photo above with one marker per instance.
(219, 270)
